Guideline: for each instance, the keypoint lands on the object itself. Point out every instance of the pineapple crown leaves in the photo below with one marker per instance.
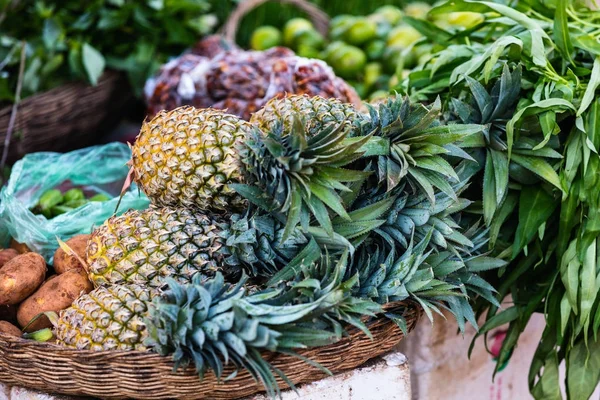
(253, 244)
(212, 323)
(301, 176)
(419, 144)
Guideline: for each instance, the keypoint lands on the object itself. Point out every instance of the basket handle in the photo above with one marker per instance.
(318, 17)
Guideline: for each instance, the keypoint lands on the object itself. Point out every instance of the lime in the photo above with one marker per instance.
(417, 10)
(392, 14)
(403, 36)
(373, 71)
(332, 48)
(375, 49)
(310, 38)
(293, 28)
(306, 50)
(339, 25)
(361, 31)
(265, 37)
(347, 61)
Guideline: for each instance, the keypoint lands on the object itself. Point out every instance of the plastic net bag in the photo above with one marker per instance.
(98, 169)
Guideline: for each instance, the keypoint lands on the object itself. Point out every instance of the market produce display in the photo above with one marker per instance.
(216, 73)
(530, 74)
(275, 234)
(372, 52)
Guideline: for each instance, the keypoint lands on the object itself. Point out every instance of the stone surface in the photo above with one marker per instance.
(387, 378)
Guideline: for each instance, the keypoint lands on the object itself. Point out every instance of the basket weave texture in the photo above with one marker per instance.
(142, 375)
(67, 117)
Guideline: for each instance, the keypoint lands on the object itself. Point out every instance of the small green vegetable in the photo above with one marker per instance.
(50, 198)
(73, 194)
(99, 197)
(58, 210)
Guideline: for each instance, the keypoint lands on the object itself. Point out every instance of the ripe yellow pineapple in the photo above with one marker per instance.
(210, 160)
(186, 157)
(145, 247)
(316, 112)
(108, 318)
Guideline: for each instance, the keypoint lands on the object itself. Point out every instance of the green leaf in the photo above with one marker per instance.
(583, 370)
(500, 162)
(307, 256)
(51, 33)
(535, 207)
(93, 62)
(547, 387)
(540, 167)
(561, 34)
(330, 198)
(428, 29)
(556, 105)
(483, 263)
(593, 84)
(489, 191)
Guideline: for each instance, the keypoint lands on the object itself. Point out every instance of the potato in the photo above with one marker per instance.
(55, 294)
(20, 277)
(64, 262)
(8, 313)
(20, 247)
(6, 255)
(7, 328)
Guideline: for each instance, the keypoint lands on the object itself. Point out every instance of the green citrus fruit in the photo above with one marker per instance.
(293, 28)
(305, 50)
(265, 37)
(347, 61)
(403, 36)
(391, 13)
(417, 10)
(310, 38)
(373, 71)
(361, 31)
(375, 49)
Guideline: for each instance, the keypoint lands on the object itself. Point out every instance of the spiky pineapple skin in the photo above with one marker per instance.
(145, 247)
(317, 112)
(187, 156)
(108, 318)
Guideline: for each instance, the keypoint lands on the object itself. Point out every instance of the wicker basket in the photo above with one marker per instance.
(65, 118)
(140, 375)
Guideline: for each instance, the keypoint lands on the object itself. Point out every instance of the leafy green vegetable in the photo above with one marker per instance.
(73, 40)
(530, 72)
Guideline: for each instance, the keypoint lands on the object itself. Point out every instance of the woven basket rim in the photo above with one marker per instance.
(397, 305)
(51, 368)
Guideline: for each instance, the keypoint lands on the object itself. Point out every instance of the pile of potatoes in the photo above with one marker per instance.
(28, 287)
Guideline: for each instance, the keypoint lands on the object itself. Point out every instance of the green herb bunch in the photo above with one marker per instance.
(530, 72)
(74, 40)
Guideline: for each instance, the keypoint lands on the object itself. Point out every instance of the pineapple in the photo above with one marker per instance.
(108, 318)
(186, 157)
(316, 112)
(209, 159)
(145, 247)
